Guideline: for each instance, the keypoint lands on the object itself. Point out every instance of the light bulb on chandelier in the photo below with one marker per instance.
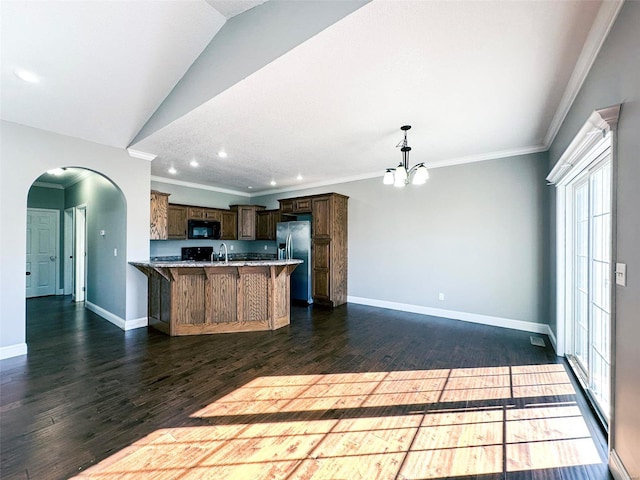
(403, 175)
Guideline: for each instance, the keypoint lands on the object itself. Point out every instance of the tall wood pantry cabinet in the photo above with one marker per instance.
(329, 249)
(328, 243)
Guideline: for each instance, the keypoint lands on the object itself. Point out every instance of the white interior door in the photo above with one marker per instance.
(42, 252)
(80, 253)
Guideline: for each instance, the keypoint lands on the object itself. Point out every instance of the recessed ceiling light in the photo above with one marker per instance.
(26, 75)
(249, 187)
(172, 170)
(193, 163)
(56, 171)
(273, 182)
(222, 154)
(299, 177)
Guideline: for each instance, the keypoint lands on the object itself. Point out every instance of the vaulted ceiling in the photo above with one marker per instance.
(299, 92)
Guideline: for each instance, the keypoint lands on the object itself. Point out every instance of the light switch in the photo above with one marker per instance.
(115, 252)
(621, 274)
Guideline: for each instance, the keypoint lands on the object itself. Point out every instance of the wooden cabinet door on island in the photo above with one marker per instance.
(159, 206)
(177, 222)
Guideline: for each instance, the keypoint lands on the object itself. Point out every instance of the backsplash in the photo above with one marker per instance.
(173, 248)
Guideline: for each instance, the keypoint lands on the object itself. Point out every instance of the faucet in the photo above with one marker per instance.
(226, 253)
(288, 247)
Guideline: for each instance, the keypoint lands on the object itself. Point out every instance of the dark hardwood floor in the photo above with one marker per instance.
(355, 392)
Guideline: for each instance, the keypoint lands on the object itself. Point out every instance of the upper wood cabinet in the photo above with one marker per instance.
(247, 219)
(266, 224)
(177, 222)
(295, 206)
(228, 225)
(203, 213)
(159, 223)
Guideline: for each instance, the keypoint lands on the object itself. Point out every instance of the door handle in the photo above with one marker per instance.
(52, 258)
(28, 273)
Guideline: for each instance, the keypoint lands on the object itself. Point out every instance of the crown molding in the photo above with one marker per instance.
(47, 185)
(142, 155)
(513, 152)
(181, 183)
(354, 178)
(438, 164)
(323, 183)
(605, 19)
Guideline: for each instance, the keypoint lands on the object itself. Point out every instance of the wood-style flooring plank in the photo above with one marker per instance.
(354, 392)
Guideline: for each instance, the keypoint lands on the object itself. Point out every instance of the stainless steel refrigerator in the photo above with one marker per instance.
(299, 246)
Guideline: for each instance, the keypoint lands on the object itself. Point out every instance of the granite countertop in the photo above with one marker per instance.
(230, 263)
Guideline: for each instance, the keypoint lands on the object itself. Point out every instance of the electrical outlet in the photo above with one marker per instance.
(115, 252)
(441, 296)
(266, 248)
(231, 247)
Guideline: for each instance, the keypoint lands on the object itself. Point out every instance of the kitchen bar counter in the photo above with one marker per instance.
(194, 298)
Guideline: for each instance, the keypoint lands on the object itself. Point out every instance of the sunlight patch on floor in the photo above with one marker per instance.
(372, 425)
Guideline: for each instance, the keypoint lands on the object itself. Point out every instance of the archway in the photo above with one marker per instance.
(89, 224)
(26, 153)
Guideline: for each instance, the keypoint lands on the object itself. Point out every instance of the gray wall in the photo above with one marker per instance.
(25, 154)
(53, 199)
(615, 78)
(106, 210)
(477, 233)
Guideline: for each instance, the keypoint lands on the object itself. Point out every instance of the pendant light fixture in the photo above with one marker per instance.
(403, 175)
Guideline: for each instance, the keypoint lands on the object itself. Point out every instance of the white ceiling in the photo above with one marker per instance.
(475, 79)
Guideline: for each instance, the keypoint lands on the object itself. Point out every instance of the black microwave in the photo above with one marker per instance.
(203, 229)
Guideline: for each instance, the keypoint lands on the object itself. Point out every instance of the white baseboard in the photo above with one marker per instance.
(616, 467)
(136, 323)
(464, 316)
(116, 320)
(13, 350)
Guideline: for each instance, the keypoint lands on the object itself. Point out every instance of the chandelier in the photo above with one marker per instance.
(403, 175)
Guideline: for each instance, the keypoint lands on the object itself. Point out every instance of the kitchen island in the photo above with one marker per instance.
(195, 298)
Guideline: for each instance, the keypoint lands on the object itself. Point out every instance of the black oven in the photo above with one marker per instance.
(203, 229)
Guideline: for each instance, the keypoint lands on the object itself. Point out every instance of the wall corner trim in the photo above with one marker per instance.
(141, 155)
(116, 320)
(616, 467)
(552, 339)
(13, 350)
(522, 325)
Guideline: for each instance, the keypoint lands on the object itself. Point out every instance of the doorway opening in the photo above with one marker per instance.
(87, 215)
